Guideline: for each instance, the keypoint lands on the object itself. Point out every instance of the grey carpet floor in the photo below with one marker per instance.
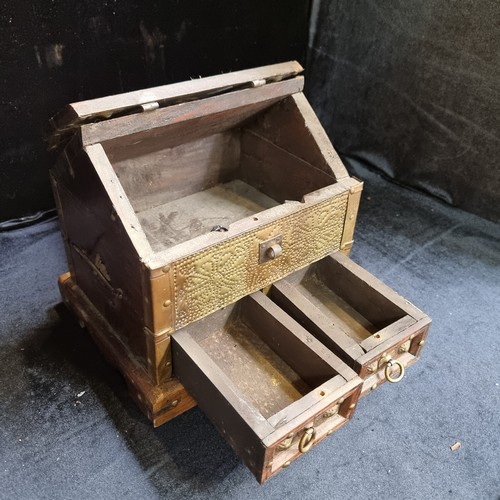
(69, 430)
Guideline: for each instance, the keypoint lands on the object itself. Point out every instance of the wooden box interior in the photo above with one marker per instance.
(182, 184)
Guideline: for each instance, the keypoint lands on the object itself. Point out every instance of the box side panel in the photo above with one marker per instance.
(292, 126)
(159, 402)
(105, 264)
(264, 165)
(161, 174)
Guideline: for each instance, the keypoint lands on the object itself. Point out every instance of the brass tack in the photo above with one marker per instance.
(374, 386)
(421, 343)
(166, 303)
(174, 403)
(286, 464)
(330, 431)
(81, 323)
(351, 407)
(165, 269)
(341, 400)
(412, 336)
(369, 369)
(402, 349)
(168, 363)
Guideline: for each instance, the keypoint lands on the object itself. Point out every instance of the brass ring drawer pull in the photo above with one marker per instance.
(390, 363)
(307, 440)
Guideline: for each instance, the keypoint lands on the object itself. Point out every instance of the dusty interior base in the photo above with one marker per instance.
(333, 306)
(183, 219)
(258, 372)
(160, 403)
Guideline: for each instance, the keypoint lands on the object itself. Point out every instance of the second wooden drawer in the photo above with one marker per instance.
(367, 324)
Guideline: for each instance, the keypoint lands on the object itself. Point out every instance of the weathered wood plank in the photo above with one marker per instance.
(265, 165)
(313, 320)
(293, 126)
(162, 175)
(295, 333)
(78, 112)
(235, 104)
(388, 332)
(288, 338)
(358, 291)
(374, 283)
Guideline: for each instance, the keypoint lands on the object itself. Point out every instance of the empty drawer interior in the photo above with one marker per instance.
(346, 302)
(263, 380)
(251, 345)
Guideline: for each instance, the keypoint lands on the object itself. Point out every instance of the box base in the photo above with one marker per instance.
(160, 403)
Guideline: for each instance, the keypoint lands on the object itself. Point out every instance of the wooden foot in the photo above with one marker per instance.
(160, 403)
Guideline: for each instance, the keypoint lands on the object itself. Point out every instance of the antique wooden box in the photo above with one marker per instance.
(177, 201)
(207, 226)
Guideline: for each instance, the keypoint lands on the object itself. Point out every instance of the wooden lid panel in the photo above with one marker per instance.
(78, 113)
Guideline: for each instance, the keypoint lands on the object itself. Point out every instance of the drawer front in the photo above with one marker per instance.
(399, 353)
(280, 455)
(213, 278)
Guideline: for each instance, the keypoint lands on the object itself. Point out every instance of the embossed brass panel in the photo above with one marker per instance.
(222, 274)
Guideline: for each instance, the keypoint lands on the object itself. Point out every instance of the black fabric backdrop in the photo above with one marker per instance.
(410, 88)
(53, 52)
(413, 89)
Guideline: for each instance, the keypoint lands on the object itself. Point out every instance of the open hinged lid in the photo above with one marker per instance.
(74, 115)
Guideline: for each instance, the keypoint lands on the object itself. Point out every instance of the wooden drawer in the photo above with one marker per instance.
(372, 328)
(270, 387)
